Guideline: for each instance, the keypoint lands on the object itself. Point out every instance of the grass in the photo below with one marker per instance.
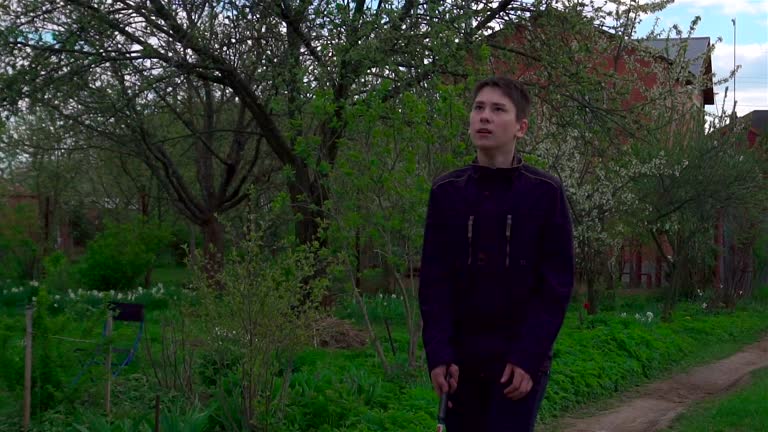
(741, 411)
(177, 276)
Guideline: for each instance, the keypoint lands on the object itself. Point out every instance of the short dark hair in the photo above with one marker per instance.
(512, 89)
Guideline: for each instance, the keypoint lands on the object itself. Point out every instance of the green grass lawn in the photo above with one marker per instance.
(177, 276)
(745, 410)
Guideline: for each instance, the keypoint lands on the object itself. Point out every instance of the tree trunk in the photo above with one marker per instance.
(679, 278)
(591, 294)
(309, 212)
(144, 205)
(148, 277)
(192, 246)
(213, 249)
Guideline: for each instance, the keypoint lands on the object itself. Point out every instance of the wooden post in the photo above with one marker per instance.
(157, 413)
(28, 369)
(108, 364)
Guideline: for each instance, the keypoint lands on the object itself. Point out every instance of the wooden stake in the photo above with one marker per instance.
(108, 364)
(157, 413)
(28, 369)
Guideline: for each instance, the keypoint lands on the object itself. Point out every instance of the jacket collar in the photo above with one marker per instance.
(486, 171)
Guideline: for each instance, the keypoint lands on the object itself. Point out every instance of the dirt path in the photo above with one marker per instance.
(654, 406)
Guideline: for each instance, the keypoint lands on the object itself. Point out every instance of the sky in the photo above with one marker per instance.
(751, 44)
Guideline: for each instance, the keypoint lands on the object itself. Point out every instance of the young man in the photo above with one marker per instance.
(496, 273)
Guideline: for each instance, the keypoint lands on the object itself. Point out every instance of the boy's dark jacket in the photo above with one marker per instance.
(497, 266)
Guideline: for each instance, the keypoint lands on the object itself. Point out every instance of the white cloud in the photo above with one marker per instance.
(753, 59)
(729, 7)
(751, 80)
(747, 100)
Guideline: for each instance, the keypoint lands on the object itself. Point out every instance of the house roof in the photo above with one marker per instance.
(695, 48)
(759, 120)
(695, 51)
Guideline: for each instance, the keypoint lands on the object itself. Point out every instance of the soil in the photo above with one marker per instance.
(653, 407)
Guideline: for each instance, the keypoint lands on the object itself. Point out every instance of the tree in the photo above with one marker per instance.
(380, 185)
(271, 59)
(706, 173)
(593, 110)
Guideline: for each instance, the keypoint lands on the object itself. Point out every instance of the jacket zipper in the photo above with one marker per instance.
(469, 236)
(509, 231)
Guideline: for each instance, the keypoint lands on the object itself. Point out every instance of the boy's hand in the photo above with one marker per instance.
(521, 382)
(445, 379)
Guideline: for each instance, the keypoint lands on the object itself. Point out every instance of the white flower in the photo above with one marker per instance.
(701, 293)
(394, 296)
(34, 283)
(623, 314)
(704, 306)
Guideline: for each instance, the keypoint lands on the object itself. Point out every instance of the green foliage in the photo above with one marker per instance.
(57, 272)
(177, 419)
(760, 295)
(381, 181)
(380, 307)
(12, 354)
(117, 257)
(18, 250)
(349, 391)
(51, 361)
(256, 315)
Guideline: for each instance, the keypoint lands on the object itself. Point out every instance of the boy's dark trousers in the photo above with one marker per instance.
(479, 403)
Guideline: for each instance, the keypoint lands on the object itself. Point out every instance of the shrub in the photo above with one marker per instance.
(117, 257)
(257, 315)
(57, 272)
(18, 250)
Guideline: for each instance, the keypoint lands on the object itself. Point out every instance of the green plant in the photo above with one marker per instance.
(12, 353)
(184, 419)
(117, 257)
(47, 379)
(18, 250)
(257, 314)
(89, 422)
(57, 272)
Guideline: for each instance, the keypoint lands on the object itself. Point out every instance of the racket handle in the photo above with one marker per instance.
(443, 408)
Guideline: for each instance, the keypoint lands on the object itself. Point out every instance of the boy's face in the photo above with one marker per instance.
(493, 124)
